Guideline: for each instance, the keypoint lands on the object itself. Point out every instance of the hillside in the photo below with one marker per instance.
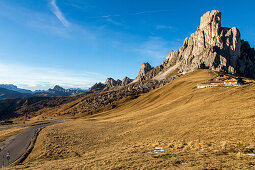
(175, 126)
(18, 107)
(8, 94)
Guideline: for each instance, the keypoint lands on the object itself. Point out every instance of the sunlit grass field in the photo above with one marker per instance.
(176, 126)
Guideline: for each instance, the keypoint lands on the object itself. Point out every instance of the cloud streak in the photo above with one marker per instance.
(30, 18)
(161, 27)
(150, 12)
(136, 13)
(55, 9)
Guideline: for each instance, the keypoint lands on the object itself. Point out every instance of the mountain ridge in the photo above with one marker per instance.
(14, 88)
(9, 90)
(210, 47)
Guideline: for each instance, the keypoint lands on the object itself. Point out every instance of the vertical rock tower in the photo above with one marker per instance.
(145, 68)
(213, 47)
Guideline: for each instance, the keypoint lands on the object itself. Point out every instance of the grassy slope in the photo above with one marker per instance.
(6, 133)
(205, 128)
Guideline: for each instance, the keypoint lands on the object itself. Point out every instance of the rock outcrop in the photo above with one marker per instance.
(126, 81)
(110, 84)
(97, 87)
(145, 68)
(210, 47)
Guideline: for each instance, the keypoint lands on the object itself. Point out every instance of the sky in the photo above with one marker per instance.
(76, 43)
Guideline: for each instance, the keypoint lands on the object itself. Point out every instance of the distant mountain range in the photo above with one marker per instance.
(58, 91)
(6, 94)
(8, 91)
(14, 88)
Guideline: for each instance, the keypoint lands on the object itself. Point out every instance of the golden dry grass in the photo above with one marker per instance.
(6, 133)
(209, 128)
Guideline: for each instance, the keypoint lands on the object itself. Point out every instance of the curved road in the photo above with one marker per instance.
(18, 144)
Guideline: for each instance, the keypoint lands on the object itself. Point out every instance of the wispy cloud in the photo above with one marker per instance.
(160, 27)
(113, 22)
(109, 18)
(157, 48)
(150, 12)
(105, 16)
(136, 13)
(55, 9)
(44, 21)
(34, 19)
(34, 78)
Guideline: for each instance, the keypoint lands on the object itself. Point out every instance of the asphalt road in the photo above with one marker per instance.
(18, 144)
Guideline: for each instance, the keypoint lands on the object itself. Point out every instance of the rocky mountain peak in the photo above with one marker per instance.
(211, 19)
(118, 82)
(58, 88)
(110, 82)
(212, 47)
(145, 68)
(126, 81)
(14, 88)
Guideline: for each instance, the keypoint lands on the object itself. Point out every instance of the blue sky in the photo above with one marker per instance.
(76, 43)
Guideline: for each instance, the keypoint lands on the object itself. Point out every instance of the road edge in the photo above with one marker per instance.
(29, 149)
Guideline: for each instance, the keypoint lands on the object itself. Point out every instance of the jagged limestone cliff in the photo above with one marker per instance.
(213, 47)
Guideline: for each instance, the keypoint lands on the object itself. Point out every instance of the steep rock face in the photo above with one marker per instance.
(145, 68)
(126, 81)
(110, 84)
(215, 47)
(97, 87)
(118, 82)
(211, 47)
